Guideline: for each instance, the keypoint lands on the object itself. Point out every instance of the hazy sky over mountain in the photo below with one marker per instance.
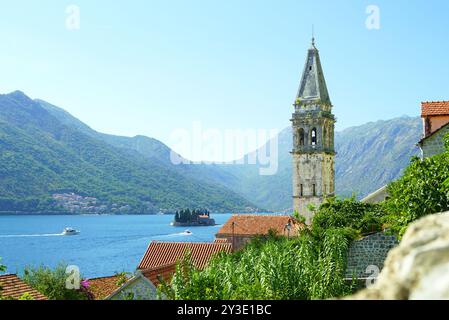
(151, 67)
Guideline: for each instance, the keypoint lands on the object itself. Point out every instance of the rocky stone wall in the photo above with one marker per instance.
(370, 251)
(434, 144)
(419, 267)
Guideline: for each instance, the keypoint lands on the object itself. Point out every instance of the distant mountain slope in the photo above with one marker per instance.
(369, 156)
(42, 154)
(150, 148)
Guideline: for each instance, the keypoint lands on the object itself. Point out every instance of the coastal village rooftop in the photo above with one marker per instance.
(252, 225)
(240, 229)
(161, 254)
(12, 287)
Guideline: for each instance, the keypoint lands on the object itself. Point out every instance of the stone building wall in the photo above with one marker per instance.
(372, 250)
(434, 144)
(312, 170)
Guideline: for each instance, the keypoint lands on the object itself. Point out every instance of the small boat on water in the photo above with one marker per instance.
(70, 232)
(187, 232)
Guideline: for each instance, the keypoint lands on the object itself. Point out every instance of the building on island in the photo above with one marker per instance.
(435, 116)
(240, 229)
(313, 139)
(12, 287)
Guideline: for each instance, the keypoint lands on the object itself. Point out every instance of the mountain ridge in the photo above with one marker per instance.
(42, 156)
(378, 150)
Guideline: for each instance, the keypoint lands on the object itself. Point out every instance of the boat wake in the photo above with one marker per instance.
(31, 235)
(173, 235)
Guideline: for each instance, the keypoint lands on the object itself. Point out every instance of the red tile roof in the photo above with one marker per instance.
(164, 272)
(165, 253)
(434, 108)
(252, 225)
(101, 288)
(11, 286)
(221, 240)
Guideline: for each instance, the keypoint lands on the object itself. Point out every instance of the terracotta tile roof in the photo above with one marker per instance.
(221, 240)
(101, 288)
(165, 253)
(164, 272)
(252, 225)
(434, 108)
(11, 286)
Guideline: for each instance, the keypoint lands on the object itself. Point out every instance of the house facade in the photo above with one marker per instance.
(435, 116)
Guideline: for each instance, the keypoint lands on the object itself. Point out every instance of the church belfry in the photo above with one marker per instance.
(313, 139)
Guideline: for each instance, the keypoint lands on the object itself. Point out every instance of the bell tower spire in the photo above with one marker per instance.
(313, 138)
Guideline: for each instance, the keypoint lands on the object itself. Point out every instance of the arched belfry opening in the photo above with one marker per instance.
(313, 129)
(313, 137)
(301, 137)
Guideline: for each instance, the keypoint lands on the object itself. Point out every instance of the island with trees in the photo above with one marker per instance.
(196, 217)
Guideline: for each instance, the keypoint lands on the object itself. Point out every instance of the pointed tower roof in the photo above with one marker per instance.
(313, 85)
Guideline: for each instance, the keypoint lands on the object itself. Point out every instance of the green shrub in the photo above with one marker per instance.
(51, 282)
(348, 214)
(2, 267)
(276, 268)
(422, 190)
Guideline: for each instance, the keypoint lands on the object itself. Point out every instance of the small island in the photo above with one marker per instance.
(193, 218)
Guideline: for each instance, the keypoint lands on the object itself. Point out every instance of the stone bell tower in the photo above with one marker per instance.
(313, 139)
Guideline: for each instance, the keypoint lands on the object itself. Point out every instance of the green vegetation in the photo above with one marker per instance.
(422, 190)
(309, 266)
(300, 268)
(51, 283)
(379, 149)
(188, 216)
(360, 218)
(41, 155)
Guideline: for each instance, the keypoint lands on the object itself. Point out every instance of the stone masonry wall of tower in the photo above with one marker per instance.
(313, 139)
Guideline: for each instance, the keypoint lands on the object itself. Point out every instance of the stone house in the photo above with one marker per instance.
(240, 229)
(435, 117)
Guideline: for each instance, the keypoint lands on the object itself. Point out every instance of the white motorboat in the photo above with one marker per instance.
(70, 232)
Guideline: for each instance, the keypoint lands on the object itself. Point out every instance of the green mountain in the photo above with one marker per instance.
(49, 161)
(368, 157)
(45, 151)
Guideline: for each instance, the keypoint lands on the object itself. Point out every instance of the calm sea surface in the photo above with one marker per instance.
(107, 244)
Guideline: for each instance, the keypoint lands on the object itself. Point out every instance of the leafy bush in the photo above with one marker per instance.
(51, 283)
(422, 190)
(349, 213)
(2, 267)
(303, 267)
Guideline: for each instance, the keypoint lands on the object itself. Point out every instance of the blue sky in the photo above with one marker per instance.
(150, 67)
